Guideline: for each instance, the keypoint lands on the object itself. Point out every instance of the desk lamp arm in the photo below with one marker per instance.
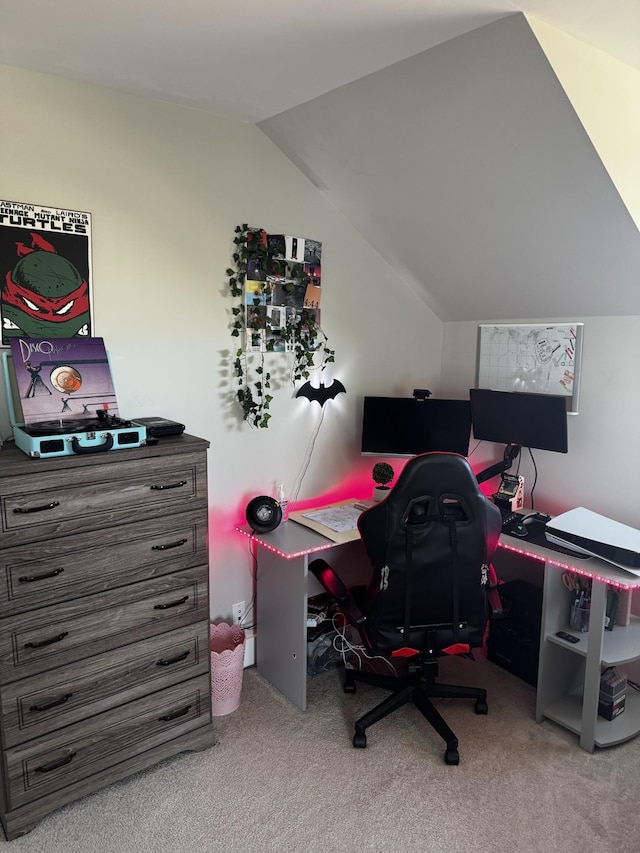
(511, 452)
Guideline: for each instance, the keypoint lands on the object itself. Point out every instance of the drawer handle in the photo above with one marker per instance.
(53, 765)
(169, 486)
(176, 659)
(26, 509)
(47, 705)
(32, 578)
(168, 546)
(41, 643)
(175, 714)
(171, 604)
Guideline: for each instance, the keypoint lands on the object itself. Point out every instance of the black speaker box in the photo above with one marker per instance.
(159, 427)
(263, 514)
(514, 637)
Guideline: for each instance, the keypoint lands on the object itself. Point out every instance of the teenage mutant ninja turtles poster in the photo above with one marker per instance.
(45, 272)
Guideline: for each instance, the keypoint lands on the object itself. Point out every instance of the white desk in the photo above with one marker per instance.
(568, 675)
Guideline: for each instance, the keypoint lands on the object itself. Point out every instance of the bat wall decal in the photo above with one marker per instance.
(323, 393)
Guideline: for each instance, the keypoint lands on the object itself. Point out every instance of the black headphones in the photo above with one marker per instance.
(263, 514)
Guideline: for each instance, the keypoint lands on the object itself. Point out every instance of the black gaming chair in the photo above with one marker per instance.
(430, 544)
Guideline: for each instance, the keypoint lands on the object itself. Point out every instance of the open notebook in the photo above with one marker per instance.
(337, 521)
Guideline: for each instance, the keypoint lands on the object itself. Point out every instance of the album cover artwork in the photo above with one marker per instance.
(63, 378)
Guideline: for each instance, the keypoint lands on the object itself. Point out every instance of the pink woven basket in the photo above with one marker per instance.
(226, 643)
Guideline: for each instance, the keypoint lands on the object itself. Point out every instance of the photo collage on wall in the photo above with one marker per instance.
(282, 290)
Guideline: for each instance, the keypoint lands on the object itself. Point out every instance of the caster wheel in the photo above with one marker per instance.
(349, 687)
(481, 707)
(359, 741)
(451, 756)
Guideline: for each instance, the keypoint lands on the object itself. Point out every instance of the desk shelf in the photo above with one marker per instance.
(569, 674)
(622, 645)
(567, 712)
(577, 648)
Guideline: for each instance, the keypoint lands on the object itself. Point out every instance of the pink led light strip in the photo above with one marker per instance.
(567, 568)
(514, 548)
(287, 556)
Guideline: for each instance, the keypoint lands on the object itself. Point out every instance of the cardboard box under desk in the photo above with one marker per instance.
(611, 708)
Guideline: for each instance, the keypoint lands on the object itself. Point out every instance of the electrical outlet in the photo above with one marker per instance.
(238, 612)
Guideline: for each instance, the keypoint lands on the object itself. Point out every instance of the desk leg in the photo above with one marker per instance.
(592, 668)
(281, 641)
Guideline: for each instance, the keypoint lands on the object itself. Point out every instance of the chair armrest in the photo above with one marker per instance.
(338, 591)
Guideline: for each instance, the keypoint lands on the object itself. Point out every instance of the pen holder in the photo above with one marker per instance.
(579, 617)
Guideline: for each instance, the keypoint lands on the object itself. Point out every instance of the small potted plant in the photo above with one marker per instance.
(382, 475)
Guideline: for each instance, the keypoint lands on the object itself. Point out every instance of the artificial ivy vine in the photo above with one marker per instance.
(301, 336)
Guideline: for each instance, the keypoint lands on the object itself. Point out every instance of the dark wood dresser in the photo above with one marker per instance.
(104, 620)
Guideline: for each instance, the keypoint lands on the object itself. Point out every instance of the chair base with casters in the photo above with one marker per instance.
(419, 687)
(416, 681)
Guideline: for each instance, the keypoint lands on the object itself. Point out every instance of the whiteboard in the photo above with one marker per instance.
(540, 358)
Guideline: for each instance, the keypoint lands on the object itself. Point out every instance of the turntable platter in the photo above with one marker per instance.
(60, 426)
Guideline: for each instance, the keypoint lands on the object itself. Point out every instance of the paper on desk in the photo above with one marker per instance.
(337, 518)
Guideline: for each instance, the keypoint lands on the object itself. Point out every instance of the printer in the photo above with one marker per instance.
(589, 533)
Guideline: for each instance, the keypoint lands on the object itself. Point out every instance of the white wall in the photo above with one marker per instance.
(605, 94)
(166, 187)
(602, 468)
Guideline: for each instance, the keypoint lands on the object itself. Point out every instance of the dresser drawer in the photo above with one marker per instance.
(38, 640)
(51, 505)
(49, 764)
(46, 702)
(42, 573)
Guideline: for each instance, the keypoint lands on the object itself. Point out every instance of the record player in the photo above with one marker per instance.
(61, 399)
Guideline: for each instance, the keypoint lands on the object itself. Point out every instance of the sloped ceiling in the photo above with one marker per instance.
(436, 126)
(467, 167)
(252, 59)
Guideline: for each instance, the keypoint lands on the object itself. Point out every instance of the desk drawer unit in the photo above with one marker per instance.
(104, 620)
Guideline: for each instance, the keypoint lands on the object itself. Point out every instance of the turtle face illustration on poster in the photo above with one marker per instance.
(45, 272)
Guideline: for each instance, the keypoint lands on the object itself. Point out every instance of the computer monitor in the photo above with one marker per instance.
(404, 426)
(526, 420)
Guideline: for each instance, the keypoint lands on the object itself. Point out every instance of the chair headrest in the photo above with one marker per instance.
(432, 485)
